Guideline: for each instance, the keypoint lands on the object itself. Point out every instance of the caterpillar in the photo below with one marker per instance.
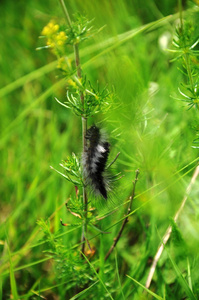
(94, 161)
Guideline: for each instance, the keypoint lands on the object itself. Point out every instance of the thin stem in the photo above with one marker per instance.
(186, 54)
(169, 230)
(187, 61)
(180, 11)
(84, 143)
(113, 161)
(77, 61)
(65, 12)
(126, 218)
(84, 124)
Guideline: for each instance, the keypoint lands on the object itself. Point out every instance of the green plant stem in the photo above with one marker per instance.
(187, 62)
(84, 123)
(84, 143)
(65, 12)
(180, 11)
(185, 50)
(187, 59)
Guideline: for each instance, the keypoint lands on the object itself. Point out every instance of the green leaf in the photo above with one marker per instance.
(84, 291)
(150, 292)
(12, 278)
(103, 284)
(181, 279)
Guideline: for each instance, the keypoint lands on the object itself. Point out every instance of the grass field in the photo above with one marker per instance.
(153, 131)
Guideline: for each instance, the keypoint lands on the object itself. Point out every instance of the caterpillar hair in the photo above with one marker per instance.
(94, 161)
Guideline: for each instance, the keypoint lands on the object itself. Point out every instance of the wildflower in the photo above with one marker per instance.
(50, 29)
(55, 39)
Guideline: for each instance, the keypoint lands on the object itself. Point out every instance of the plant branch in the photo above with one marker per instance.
(84, 143)
(84, 123)
(187, 62)
(169, 230)
(126, 217)
(180, 11)
(113, 161)
(66, 12)
(185, 50)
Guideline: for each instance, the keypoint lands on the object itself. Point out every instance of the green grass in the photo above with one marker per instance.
(153, 131)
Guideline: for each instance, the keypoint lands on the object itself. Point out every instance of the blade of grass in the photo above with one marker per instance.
(84, 291)
(118, 275)
(101, 266)
(189, 274)
(1, 289)
(33, 287)
(147, 290)
(101, 281)
(69, 284)
(27, 265)
(182, 281)
(12, 277)
(180, 278)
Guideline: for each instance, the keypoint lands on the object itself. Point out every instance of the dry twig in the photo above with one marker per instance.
(126, 218)
(169, 230)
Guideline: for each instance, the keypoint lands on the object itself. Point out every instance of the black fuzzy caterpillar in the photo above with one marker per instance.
(94, 161)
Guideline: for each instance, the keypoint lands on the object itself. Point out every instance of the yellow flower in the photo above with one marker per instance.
(50, 28)
(62, 34)
(45, 30)
(61, 38)
(72, 83)
(62, 64)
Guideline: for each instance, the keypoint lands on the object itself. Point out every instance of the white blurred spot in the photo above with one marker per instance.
(164, 40)
(153, 88)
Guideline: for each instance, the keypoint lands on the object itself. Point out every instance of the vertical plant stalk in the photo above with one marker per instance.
(84, 143)
(126, 217)
(169, 230)
(66, 12)
(84, 123)
(180, 12)
(186, 49)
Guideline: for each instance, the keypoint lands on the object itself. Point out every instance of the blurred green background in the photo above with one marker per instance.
(153, 131)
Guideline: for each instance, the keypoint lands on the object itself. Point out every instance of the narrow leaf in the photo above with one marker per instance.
(150, 292)
(12, 278)
(84, 291)
(181, 279)
(103, 284)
